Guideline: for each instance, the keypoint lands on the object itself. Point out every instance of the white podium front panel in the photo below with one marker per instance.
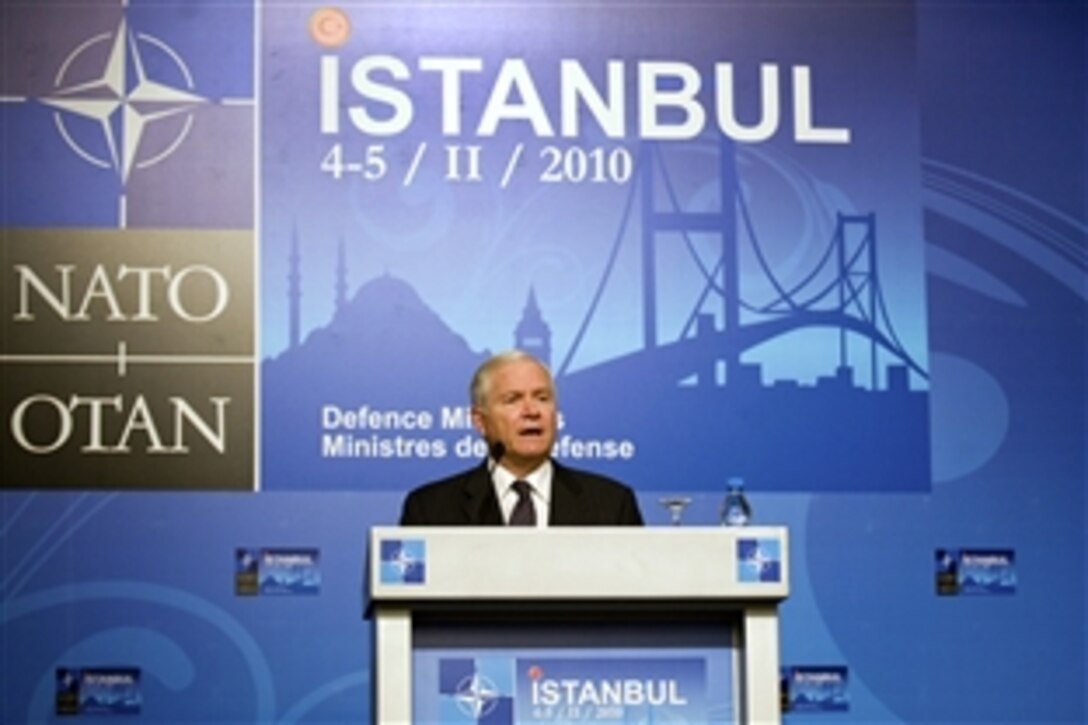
(565, 563)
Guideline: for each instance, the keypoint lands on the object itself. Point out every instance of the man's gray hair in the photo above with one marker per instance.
(481, 379)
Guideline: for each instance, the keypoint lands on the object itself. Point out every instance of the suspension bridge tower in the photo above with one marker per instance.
(660, 220)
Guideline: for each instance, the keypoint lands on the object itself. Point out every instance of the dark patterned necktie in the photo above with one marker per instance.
(523, 514)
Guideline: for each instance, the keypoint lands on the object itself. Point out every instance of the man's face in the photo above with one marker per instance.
(519, 411)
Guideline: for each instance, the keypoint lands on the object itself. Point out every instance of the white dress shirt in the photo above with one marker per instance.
(539, 479)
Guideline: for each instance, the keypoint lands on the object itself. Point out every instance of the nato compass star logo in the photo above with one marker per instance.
(122, 101)
(759, 560)
(403, 561)
(477, 696)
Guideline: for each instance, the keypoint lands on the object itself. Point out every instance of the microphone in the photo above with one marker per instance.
(496, 450)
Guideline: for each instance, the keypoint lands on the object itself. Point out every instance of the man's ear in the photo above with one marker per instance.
(478, 421)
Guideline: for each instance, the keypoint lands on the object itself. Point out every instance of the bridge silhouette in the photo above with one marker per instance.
(842, 292)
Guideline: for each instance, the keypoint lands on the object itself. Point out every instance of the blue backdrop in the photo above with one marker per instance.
(969, 122)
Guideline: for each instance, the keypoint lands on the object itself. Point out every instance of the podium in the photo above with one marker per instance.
(695, 607)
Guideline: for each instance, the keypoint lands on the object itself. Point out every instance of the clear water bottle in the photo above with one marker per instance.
(736, 511)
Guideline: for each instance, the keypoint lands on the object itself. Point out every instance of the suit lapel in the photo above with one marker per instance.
(480, 505)
(566, 508)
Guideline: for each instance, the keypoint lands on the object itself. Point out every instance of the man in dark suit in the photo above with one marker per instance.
(514, 411)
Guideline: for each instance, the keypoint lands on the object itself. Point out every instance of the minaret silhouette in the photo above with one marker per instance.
(341, 277)
(533, 335)
(294, 291)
